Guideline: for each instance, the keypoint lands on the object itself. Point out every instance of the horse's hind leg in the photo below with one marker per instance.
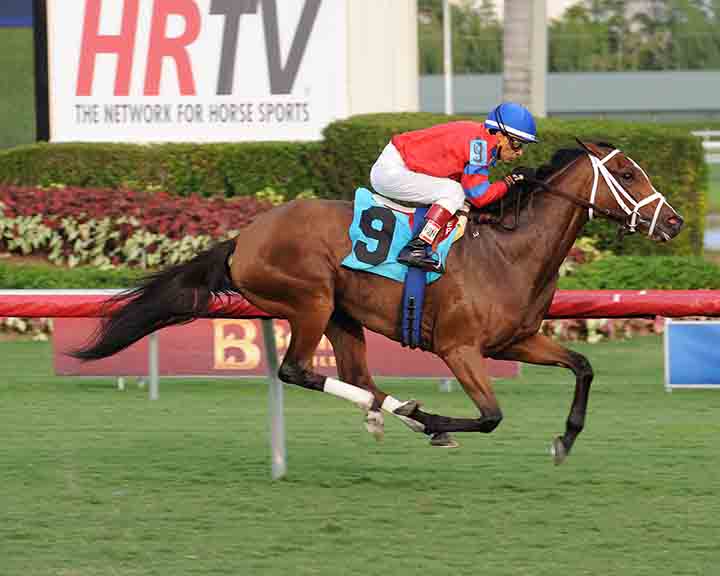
(539, 349)
(348, 341)
(296, 368)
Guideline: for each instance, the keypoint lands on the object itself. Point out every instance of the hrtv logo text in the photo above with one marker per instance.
(160, 46)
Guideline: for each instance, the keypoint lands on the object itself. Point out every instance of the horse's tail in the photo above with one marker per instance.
(175, 295)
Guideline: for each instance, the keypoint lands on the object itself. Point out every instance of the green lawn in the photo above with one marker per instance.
(97, 481)
(714, 188)
(17, 96)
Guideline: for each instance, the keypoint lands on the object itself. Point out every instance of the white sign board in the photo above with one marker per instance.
(195, 70)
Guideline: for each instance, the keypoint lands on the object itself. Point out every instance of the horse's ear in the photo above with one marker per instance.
(583, 145)
(590, 148)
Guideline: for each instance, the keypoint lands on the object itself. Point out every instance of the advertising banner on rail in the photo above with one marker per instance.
(691, 354)
(195, 70)
(234, 347)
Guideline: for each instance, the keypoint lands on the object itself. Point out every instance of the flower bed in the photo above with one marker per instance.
(106, 228)
(596, 329)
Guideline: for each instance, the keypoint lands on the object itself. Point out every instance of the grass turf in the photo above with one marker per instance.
(714, 188)
(17, 92)
(96, 481)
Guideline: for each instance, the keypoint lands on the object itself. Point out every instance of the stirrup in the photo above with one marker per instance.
(419, 258)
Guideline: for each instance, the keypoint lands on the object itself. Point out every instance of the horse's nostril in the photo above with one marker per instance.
(675, 221)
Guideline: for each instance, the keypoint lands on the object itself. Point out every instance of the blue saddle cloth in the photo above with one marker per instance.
(378, 234)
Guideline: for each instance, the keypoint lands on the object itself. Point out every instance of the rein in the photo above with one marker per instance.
(627, 218)
(609, 213)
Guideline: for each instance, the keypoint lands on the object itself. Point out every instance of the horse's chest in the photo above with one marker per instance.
(487, 311)
(510, 318)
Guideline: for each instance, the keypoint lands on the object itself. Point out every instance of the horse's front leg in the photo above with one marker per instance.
(470, 368)
(539, 349)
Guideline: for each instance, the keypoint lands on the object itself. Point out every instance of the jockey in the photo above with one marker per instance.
(448, 163)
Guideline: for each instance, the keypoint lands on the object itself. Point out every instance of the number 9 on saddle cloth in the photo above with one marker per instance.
(381, 228)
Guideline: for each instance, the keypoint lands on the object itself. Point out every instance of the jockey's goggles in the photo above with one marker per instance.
(515, 145)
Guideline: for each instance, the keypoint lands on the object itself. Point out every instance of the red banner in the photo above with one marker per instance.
(234, 347)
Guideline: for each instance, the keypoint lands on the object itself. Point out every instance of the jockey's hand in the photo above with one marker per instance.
(519, 175)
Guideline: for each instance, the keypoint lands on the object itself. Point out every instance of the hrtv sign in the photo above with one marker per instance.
(195, 70)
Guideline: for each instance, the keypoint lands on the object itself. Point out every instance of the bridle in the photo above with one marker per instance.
(630, 216)
(619, 193)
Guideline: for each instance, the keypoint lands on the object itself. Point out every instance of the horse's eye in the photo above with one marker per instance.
(627, 175)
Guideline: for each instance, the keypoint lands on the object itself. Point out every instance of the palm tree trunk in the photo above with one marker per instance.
(525, 54)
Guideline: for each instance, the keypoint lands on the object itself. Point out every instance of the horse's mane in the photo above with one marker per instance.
(560, 159)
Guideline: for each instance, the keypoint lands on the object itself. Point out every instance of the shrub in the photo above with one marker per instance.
(184, 169)
(596, 329)
(644, 273)
(107, 228)
(38, 276)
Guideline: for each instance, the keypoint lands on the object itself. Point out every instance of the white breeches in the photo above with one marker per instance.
(390, 177)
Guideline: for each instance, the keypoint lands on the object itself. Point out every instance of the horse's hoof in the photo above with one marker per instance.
(443, 440)
(407, 408)
(375, 424)
(558, 451)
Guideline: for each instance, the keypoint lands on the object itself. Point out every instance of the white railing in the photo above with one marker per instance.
(711, 144)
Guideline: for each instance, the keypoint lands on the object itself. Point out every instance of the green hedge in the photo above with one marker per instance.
(642, 272)
(337, 166)
(38, 276)
(17, 112)
(228, 169)
(612, 272)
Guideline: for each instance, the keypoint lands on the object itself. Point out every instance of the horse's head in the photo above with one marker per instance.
(622, 189)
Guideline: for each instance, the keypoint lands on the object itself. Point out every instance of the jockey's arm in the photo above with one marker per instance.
(478, 189)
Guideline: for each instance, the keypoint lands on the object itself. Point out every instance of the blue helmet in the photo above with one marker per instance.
(513, 120)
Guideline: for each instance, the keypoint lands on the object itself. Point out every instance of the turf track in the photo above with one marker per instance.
(94, 481)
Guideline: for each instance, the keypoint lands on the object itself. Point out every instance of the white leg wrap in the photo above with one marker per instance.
(361, 397)
(390, 404)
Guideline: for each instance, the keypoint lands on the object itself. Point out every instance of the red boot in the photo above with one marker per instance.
(419, 252)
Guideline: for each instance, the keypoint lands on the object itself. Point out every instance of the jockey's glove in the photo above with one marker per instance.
(518, 175)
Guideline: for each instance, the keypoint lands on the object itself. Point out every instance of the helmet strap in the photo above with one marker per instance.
(500, 122)
(503, 130)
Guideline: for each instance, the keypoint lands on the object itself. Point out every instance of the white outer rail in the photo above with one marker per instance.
(711, 144)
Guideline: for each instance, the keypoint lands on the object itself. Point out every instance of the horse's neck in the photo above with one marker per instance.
(547, 234)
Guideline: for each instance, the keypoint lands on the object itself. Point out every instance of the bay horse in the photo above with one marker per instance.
(497, 288)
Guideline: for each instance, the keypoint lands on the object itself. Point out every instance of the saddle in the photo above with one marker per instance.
(381, 227)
